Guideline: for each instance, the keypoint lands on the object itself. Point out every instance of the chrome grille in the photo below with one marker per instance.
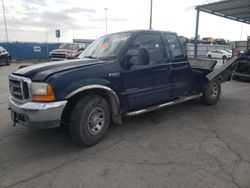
(15, 89)
(20, 88)
(58, 55)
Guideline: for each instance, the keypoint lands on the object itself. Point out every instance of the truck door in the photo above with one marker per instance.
(144, 85)
(179, 67)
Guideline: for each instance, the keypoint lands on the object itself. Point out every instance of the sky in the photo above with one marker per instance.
(37, 20)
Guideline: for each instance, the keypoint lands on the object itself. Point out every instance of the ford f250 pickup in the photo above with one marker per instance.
(121, 74)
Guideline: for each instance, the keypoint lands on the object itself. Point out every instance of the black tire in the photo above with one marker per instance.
(211, 93)
(224, 57)
(209, 56)
(84, 130)
(8, 61)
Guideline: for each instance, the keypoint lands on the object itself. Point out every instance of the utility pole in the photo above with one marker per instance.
(106, 19)
(4, 18)
(241, 30)
(47, 47)
(151, 10)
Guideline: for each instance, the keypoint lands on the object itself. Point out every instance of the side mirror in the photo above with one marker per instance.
(22, 66)
(143, 56)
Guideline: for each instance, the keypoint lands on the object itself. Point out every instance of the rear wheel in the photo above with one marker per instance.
(211, 93)
(209, 56)
(224, 57)
(90, 120)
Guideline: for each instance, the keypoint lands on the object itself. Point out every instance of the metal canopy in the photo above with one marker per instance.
(238, 10)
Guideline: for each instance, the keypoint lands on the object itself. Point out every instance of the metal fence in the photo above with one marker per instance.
(204, 48)
(240, 46)
(29, 51)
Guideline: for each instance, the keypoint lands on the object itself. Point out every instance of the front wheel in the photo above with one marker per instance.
(211, 93)
(90, 120)
(8, 61)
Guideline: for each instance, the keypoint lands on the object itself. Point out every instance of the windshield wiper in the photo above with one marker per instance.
(108, 57)
(90, 57)
(101, 58)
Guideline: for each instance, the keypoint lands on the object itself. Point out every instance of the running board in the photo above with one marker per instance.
(152, 108)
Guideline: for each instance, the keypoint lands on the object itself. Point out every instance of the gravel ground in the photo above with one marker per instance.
(187, 145)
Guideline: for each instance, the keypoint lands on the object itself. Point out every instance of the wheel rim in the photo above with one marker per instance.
(214, 91)
(7, 61)
(96, 121)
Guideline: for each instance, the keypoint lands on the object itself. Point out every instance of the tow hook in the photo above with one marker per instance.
(15, 120)
(13, 117)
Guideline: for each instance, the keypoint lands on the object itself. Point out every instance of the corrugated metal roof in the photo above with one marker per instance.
(238, 10)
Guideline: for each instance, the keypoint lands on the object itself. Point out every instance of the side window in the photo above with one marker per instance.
(174, 45)
(153, 43)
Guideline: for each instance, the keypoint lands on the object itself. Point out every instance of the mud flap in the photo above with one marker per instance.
(224, 73)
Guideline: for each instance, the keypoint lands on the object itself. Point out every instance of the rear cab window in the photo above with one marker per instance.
(175, 47)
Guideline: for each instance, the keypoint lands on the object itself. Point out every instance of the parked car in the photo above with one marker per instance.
(207, 40)
(219, 54)
(220, 41)
(242, 70)
(192, 40)
(5, 57)
(229, 51)
(66, 51)
(121, 74)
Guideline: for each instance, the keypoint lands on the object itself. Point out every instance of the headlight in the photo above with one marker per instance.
(42, 92)
(71, 55)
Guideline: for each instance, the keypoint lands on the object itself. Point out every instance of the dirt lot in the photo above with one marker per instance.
(188, 145)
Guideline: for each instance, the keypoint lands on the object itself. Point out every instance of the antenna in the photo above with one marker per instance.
(241, 30)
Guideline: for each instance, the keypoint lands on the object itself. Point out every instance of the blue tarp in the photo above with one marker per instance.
(29, 51)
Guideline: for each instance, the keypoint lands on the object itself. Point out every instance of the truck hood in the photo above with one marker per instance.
(42, 71)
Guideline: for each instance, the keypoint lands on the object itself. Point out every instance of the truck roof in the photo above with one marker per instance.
(146, 31)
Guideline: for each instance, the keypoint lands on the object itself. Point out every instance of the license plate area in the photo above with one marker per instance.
(17, 118)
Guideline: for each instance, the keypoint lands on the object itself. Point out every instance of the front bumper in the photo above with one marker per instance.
(61, 59)
(37, 115)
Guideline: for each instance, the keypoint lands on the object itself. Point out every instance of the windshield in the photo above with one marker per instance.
(68, 46)
(109, 46)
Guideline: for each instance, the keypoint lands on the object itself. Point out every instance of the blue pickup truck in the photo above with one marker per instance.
(121, 74)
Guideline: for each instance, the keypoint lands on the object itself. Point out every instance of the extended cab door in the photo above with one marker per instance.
(179, 67)
(144, 85)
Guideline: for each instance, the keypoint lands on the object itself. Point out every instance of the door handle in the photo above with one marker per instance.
(114, 74)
